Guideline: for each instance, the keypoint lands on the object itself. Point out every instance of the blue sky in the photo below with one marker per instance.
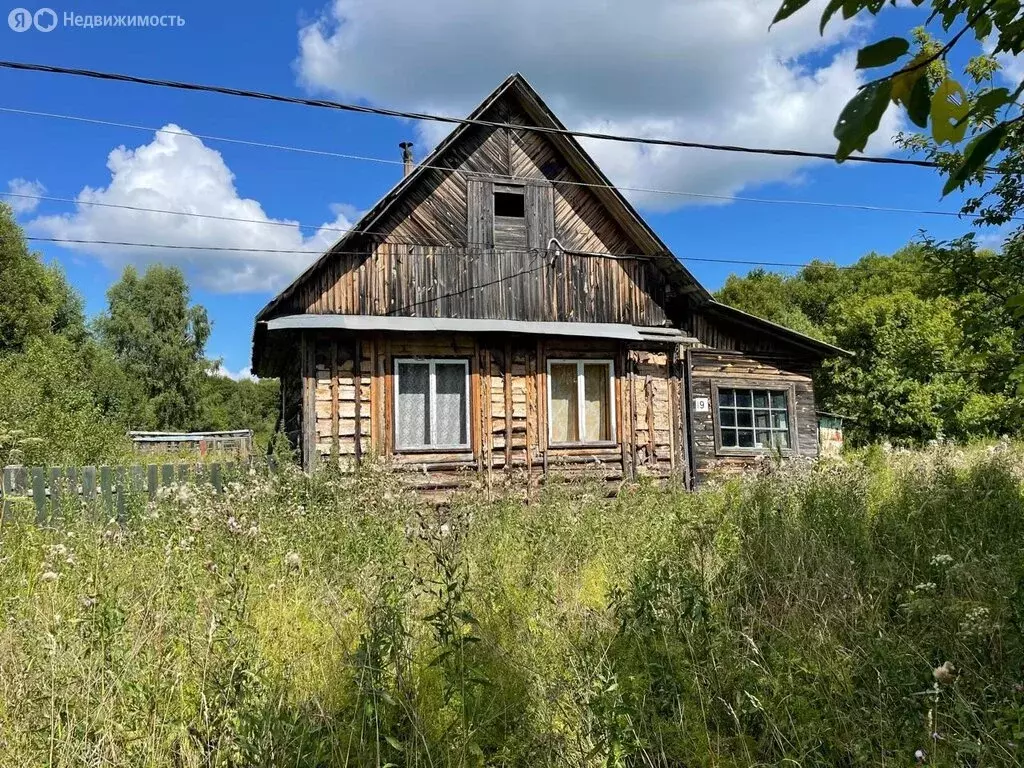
(793, 84)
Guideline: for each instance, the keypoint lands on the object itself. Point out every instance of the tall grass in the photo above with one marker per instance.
(794, 618)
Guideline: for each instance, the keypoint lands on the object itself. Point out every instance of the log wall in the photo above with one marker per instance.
(731, 369)
(508, 403)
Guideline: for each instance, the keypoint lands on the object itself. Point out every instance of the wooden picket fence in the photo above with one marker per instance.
(112, 486)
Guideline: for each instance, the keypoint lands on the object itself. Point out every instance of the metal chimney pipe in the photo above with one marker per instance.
(407, 156)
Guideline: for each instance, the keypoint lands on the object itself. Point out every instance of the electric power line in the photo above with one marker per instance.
(423, 116)
(645, 257)
(510, 177)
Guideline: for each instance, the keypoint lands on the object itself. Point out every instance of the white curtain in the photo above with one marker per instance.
(413, 428)
(450, 400)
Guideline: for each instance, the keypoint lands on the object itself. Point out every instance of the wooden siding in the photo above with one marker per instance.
(730, 369)
(508, 403)
(504, 284)
(433, 254)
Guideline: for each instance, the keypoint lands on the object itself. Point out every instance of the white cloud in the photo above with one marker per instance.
(23, 205)
(239, 375)
(701, 70)
(177, 172)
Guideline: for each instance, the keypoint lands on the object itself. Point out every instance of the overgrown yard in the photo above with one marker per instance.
(796, 618)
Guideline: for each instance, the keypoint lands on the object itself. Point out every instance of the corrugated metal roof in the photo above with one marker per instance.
(453, 325)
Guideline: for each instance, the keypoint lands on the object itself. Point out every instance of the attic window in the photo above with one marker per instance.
(510, 204)
(509, 216)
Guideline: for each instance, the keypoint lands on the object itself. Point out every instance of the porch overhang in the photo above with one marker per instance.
(452, 325)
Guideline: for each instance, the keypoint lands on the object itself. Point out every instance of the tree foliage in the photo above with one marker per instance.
(920, 82)
(71, 390)
(159, 340)
(932, 355)
(36, 299)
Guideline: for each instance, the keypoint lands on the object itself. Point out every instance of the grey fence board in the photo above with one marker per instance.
(56, 479)
(39, 493)
(52, 489)
(89, 483)
(121, 478)
(106, 488)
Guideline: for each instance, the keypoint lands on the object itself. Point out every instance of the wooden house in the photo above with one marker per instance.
(504, 309)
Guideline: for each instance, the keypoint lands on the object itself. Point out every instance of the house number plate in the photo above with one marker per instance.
(701, 405)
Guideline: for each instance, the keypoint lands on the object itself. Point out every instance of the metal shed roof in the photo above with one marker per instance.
(454, 325)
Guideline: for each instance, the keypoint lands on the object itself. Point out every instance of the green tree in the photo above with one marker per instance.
(49, 396)
(228, 404)
(35, 300)
(931, 355)
(768, 295)
(159, 339)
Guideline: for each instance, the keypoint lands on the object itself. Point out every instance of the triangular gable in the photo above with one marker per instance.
(518, 89)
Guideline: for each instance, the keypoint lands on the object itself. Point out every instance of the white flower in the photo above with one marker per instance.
(919, 755)
(89, 601)
(57, 551)
(48, 576)
(292, 560)
(945, 673)
(942, 561)
(254, 531)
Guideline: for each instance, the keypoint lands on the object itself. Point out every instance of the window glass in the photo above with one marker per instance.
(450, 397)
(581, 401)
(564, 415)
(413, 405)
(753, 418)
(597, 410)
(430, 404)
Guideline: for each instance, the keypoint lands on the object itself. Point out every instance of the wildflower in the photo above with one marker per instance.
(919, 756)
(233, 526)
(48, 576)
(945, 673)
(292, 560)
(942, 561)
(254, 531)
(89, 601)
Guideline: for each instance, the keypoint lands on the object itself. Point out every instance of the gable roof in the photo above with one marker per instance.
(581, 162)
(613, 201)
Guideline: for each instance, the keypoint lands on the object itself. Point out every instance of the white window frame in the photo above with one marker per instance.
(741, 386)
(580, 362)
(432, 362)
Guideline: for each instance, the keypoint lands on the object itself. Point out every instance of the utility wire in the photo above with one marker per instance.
(509, 177)
(423, 116)
(645, 257)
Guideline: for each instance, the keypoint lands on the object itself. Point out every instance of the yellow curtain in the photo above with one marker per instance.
(596, 409)
(564, 414)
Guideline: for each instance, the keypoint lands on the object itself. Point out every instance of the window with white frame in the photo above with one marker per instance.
(581, 401)
(753, 418)
(431, 404)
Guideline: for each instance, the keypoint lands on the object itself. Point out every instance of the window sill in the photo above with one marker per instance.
(785, 452)
(433, 449)
(572, 446)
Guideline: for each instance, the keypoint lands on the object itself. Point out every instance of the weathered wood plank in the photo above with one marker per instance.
(56, 481)
(89, 483)
(39, 494)
(107, 490)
